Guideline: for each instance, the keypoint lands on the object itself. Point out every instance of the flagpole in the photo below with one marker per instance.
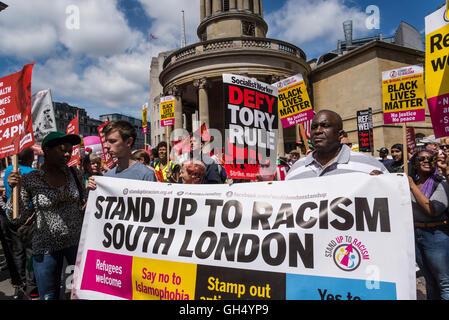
(405, 147)
(15, 190)
(304, 137)
(78, 121)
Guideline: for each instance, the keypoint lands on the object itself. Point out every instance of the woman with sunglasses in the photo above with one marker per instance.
(429, 193)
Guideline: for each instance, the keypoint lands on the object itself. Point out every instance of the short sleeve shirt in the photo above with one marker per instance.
(346, 161)
(137, 171)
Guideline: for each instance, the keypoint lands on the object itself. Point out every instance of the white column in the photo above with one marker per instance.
(208, 8)
(203, 9)
(216, 6)
(203, 100)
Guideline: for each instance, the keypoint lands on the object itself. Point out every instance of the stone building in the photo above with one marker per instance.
(349, 79)
(352, 82)
(64, 113)
(233, 40)
(157, 132)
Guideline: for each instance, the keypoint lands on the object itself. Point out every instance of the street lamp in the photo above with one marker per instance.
(3, 6)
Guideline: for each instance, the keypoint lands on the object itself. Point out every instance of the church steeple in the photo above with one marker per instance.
(231, 18)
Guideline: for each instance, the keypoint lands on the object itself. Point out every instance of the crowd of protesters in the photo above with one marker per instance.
(52, 196)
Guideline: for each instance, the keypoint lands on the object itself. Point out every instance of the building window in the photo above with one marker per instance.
(225, 5)
(251, 5)
(248, 28)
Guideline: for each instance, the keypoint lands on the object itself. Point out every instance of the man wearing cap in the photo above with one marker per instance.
(294, 156)
(383, 154)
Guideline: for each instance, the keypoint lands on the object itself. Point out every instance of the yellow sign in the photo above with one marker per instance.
(163, 280)
(293, 101)
(167, 106)
(145, 115)
(437, 55)
(403, 95)
(437, 70)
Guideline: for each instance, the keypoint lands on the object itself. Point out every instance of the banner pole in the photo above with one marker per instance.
(167, 139)
(15, 190)
(304, 138)
(405, 147)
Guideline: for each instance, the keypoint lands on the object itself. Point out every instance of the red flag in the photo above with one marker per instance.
(72, 128)
(109, 161)
(16, 126)
(183, 146)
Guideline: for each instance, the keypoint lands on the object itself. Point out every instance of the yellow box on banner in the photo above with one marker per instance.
(163, 280)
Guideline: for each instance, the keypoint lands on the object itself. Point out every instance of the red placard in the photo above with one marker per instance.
(72, 128)
(108, 160)
(16, 126)
(411, 139)
(183, 146)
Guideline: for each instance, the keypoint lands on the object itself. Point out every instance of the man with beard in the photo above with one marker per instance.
(331, 156)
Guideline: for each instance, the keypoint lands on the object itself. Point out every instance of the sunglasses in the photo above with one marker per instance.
(446, 146)
(422, 158)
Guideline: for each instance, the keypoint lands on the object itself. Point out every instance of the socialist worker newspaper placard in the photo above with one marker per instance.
(437, 71)
(16, 126)
(293, 101)
(403, 95)
(340, 237)
(251, 126)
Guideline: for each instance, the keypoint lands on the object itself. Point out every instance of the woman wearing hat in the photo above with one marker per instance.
(52, 196)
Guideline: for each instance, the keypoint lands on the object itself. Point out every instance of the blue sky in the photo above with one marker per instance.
(102, 63)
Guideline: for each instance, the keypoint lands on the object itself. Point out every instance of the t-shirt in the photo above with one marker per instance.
(346, 161)
(23, 170)
(439, 199)
(137, 171)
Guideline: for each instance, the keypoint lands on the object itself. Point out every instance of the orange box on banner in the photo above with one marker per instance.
(163, 280)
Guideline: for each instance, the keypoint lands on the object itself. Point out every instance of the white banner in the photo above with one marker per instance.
(42, 114)
(340, 237)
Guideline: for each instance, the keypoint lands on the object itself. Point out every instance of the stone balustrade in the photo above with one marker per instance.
(227, 44)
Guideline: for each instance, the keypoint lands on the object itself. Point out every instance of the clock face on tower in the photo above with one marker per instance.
(248, 28)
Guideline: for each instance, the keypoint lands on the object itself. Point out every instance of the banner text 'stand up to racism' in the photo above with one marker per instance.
(278, 240)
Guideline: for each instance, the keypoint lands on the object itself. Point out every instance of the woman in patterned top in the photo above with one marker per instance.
(53, 195)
